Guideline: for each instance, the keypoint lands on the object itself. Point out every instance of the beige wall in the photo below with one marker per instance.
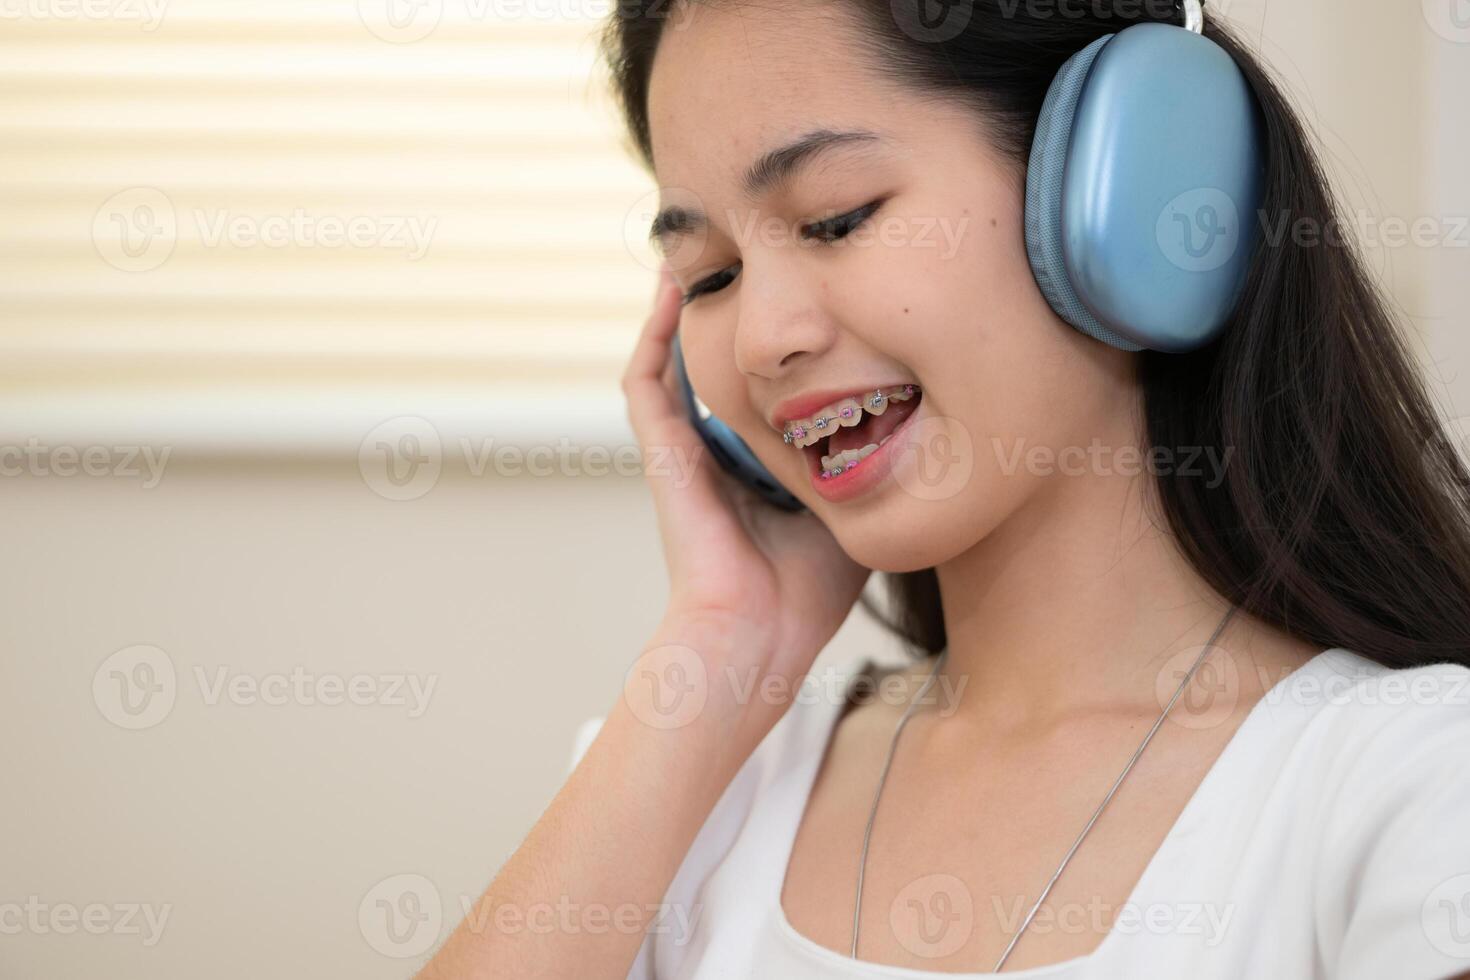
(265, 829)
(265, 826)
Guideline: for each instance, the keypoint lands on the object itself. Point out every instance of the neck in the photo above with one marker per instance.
(1079, 602)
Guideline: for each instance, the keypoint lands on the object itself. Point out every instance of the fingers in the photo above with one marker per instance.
(646, 381)
(673, 452)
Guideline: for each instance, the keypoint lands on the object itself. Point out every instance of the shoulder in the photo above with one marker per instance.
(1373, 733)
(1367, 709)
(1382, 757)
(836, 703)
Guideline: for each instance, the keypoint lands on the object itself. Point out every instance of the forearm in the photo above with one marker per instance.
(578, 894)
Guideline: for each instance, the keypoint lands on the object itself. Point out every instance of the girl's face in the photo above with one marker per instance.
(930, 286)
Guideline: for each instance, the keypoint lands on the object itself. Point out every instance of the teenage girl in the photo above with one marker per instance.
(1191, 625)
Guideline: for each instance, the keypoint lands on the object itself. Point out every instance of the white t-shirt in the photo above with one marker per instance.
(1331, 838)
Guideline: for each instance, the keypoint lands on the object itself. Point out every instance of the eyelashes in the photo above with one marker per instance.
(710, 284)
(831, 229)
(827, 230)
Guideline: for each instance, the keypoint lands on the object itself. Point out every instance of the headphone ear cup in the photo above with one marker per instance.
(1144, 181)
(1045, 173)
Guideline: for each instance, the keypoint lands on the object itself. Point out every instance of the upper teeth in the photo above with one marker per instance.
(847, 413)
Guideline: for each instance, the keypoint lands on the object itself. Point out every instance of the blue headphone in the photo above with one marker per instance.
(1145, 175)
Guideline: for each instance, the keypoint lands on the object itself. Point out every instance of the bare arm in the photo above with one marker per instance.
(575, 898)
(755, 593)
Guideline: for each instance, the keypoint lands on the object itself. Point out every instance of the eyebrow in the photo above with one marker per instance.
(772, 170)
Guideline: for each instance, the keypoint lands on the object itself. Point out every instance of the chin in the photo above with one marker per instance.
(906, 534)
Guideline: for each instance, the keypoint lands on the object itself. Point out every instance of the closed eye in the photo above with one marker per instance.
(826, 230)
(832, 229)
(710, 284)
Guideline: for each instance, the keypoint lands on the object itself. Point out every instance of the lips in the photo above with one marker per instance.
(849, 474)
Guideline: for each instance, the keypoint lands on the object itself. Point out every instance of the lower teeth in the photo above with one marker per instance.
(847, 459)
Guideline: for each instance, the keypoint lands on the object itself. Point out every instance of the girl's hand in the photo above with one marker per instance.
(777, 584)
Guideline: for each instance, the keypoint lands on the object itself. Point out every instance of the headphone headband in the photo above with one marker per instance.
(1194, 16)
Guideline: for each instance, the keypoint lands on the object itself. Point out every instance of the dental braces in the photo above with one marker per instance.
(846, 413)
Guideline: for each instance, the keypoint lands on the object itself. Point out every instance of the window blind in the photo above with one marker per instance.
(271, 224)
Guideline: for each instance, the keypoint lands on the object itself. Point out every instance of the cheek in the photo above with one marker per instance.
(979, 332)
(710, 360)
(707, 359)
(981, 337)
(710, 364)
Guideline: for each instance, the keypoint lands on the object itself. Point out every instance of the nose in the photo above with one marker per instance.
(782, 319)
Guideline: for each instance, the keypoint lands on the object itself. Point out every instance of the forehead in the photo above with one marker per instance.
(731, 80)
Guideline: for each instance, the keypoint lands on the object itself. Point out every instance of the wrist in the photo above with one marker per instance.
(706, 676)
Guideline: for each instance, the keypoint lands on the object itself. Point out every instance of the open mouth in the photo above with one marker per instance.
(854, 428)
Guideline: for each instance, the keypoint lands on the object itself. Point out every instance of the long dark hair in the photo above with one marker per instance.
(1344, 515)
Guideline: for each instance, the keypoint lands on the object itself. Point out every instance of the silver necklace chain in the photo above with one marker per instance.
(893, 746)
